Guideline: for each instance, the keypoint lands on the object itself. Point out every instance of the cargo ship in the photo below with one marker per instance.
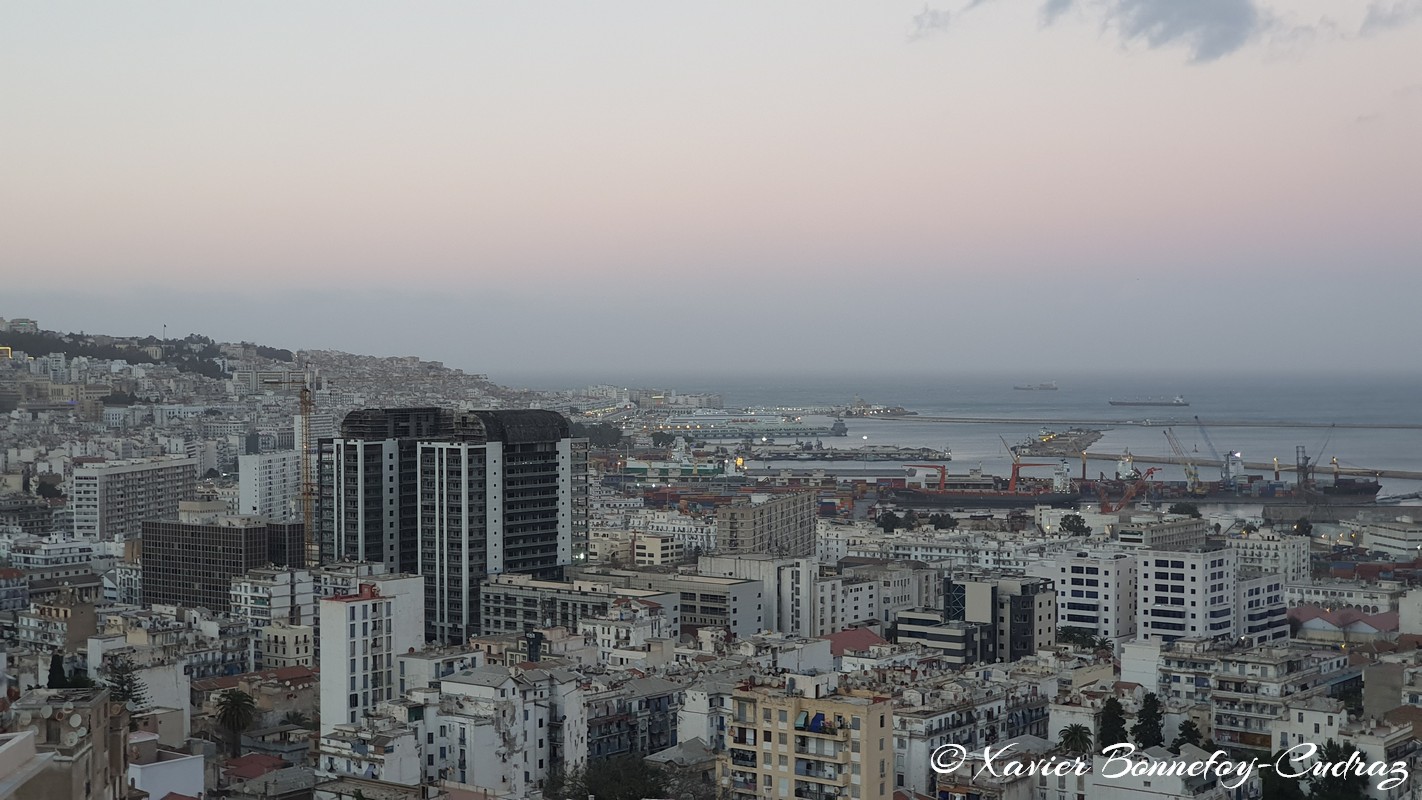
(1050, 386)
(1175, 402)
(978, 490)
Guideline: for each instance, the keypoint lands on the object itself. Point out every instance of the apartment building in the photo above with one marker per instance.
(1096, 591)
(360, 635)
(112, 499)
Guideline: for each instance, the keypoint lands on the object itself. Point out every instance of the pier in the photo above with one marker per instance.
(1263, 466)
(1164, 421)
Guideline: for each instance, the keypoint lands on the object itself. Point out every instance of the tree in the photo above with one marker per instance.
(1147, 731)
(57, 678)
(660, 439)
(1102, 643)
(1075, 525)
(1279, 787)
(79, 680)
(1350, 786)
(910, 520)
(1113, 724)
(1076, 738)
(1303, 527)
(618, 778)
(1189, 734)
(1185, 509)
(1249, 528)
(124, 684)
(943, 522)
(236, 710)
(47, 490)
(888, 521)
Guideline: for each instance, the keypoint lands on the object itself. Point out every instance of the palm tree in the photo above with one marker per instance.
(236, 711)
(1076, 738)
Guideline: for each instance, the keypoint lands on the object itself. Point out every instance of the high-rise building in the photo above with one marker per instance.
(1187, 593)
(1096, 591)
(111, 499)
(360, 635)
(1021, 610)
(496, 496)
(269, 484)
(367, 506)
(190, 559)
(455, 496)
(779, 525)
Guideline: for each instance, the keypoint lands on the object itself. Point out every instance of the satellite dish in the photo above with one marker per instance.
(25, 718)
(83, 732)
(46, 712)
(75, 720)
(70, 739)
(68, 707)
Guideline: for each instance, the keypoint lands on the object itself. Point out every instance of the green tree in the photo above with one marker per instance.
(1350, 786)
(1075, 525)
(660, 439)
(943, 522)
(910, 520)
(1185, 509)
(236, 710)
(57, 678)
(1303, 527)
(79, 680)
(1280, 787)
(617, 778)
(1189, 734)
(1249, 528)
(48, 490)
(1076, 738)
(888, 521)
(1146, 731)
(1113, 724)
(1102, 643)
(124, 684)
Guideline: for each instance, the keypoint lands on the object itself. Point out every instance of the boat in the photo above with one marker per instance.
(979, 490)
(1176, 402)
(1050, 386)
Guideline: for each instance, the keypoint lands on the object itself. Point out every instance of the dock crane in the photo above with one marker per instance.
(306, 406)
(1192, 475)
(1017, 465)
(1107, 507)
(1229, 476)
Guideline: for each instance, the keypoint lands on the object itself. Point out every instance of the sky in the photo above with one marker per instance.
(529, 187)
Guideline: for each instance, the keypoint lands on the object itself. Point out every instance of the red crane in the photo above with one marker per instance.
(1107, 507)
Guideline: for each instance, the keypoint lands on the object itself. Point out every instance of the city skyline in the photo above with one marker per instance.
(695, 182)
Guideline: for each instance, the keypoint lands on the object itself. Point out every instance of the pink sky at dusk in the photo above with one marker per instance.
(647, 149)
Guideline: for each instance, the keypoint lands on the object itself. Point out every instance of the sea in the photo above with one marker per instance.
(1320, 400)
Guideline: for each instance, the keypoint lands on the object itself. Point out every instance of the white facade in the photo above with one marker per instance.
(111, 499)
(360, 634)
(1182, 594)
(1096, 590)
(274, 594)
(283, 645)
(1260, 615)
(269, 484)
(1267, 551)
(1401, 540)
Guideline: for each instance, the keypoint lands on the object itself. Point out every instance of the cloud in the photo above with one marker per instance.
(928, 22)
(1211, 29)
(1363, 119)
(1386, 16)
(1053, 9)
(1413, 90)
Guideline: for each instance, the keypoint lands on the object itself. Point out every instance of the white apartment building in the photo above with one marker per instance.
(656, 550)
(1268, 551)
(1401, 540)
(1260, 615)
(111, 499)
(274, 594)
(269, 484)
(282, 645)
(1171, 534)
(1096, 590)
(1186, 594)
(798, 599)
(57, 557)
(360, 633)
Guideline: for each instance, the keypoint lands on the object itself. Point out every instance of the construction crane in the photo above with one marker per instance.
(1017, 465)
(1107, 507)
(1231, 463)
(1192, 475)
(306, 406)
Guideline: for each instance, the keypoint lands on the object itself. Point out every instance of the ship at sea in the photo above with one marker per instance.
(1050, 386)
(1176, 402)
(933, 487)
